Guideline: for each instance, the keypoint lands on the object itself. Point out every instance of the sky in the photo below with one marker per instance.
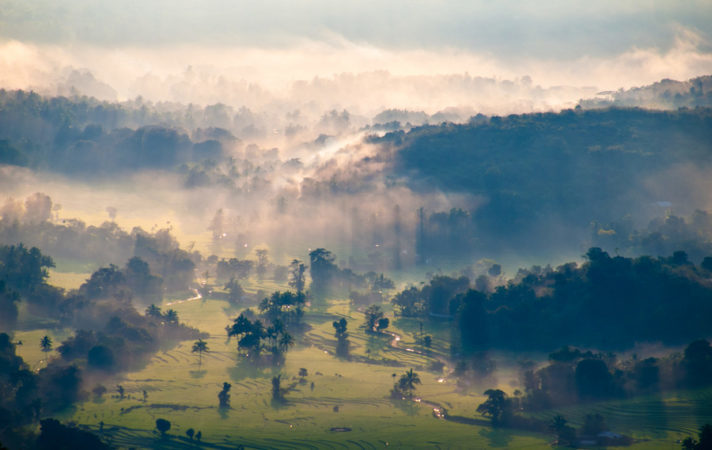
(139, 47)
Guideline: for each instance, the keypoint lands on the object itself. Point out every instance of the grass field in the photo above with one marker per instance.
(351, 394)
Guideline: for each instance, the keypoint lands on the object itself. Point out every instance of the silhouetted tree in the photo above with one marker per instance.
(224, 395)
(46, 344)
(323, 271)
(297, 269)
(55, 436)
(277, 394)
(704, 442)
(163, 426)
(497, 407)
(154, 311)
(342, 341)
(200, 346)
(405, 386)
(262, 262)
(373, 315)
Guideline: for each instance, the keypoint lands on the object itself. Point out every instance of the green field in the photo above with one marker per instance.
(351, 394)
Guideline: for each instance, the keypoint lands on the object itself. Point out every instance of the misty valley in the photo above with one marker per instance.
(184, 276)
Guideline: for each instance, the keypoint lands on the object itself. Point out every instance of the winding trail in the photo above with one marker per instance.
(177, 302)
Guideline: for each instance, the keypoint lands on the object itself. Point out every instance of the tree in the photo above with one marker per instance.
(46, 344)
(163, 426)
(409, 302)
(704, 442)
(342, 341)
(322, 270)
(224, 395)
(98, 391)
(277, 394)
(200, 346)
(285, 306)
(565, 434)
(120, 390)
(171, 316)
(405, 386)
(382, 324)
(340, 328)
(593, 424)
(285, 342)
(199, 436)
(100, 357)
(190, 432)
(427, 341)
(262, 262)
(235, 291)
(303, 372)
(154, 311)
(296, 275)
(55, 436)
(373, 316)
(497, 407)
(250, 334)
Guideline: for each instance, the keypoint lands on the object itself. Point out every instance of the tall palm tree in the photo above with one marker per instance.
(46, 344)
(408, 381)
(285, 342)
(200, 346)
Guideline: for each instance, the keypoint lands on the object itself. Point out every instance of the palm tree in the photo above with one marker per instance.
(407, 382)
(46, 344)
(200, 346)
(285, 342)
(557, 423)
(153, 311)
(171, 316)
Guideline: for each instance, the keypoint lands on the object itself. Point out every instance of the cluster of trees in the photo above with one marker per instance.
(433, 299)
(253, 337)
(86, 137)
(285, 307)
(669, 94)
(445, 236)
(27, 396)
(375, 319)
(574, 376)
(329, 280)
(239, 269)
(111, 335)
(23, 276)
(662, 236)
(503, 411)
(607, 302)
(31, 223)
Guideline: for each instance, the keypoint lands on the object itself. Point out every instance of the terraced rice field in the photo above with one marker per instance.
(349, 404)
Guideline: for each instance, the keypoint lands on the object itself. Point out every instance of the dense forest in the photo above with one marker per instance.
(544, 178)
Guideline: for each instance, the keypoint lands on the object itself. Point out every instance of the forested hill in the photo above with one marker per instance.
(665, 94)
(550, 175)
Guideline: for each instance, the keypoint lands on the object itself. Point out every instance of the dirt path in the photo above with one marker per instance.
(177, 302)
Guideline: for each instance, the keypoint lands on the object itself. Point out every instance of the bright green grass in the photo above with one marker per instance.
(359, 388)
(30, 350)
(181, 393)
